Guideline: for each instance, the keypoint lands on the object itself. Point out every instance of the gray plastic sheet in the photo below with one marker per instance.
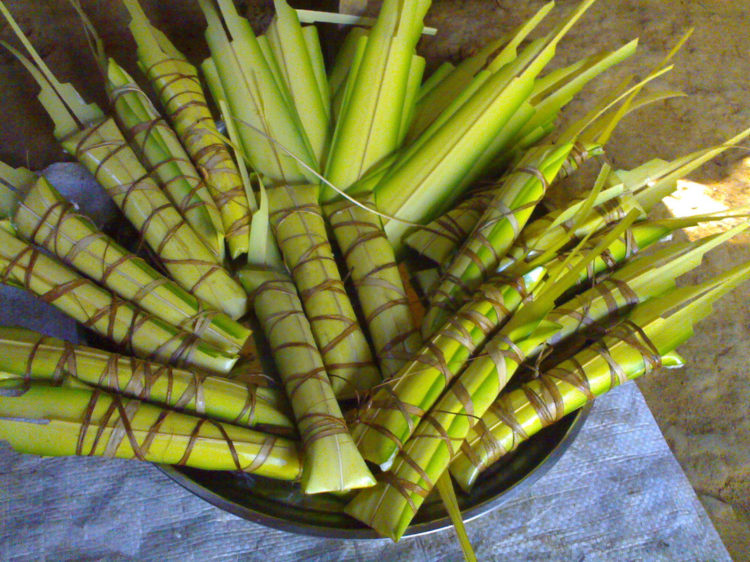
(616, 494)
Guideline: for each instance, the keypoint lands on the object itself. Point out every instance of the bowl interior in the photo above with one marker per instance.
(283, 506)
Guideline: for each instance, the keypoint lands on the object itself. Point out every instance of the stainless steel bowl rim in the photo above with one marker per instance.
(415, 530)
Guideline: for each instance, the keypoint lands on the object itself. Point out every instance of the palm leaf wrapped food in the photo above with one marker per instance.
(55, 421)
(178, 87)
(441, 238)
(376, 278)
(43, 216)
(300, 230)
(31, 356)
(274, 141)
(160, 150)
(99, 145)
(359, 234)
(331, 462)
(157, 145)
(24, 265)
(627, 351)
(378, 96)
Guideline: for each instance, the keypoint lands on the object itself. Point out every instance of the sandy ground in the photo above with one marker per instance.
(702, 409)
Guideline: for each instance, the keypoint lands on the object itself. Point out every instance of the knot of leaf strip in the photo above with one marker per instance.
(314, 426)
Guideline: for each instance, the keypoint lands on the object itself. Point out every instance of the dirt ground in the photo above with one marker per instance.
(703, 409)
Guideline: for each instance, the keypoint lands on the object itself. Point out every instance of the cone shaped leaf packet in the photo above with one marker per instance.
(33, 356)
(43, 216)
(54, 421)
(331, 460)
(160, 150)
(178, 87)
(100, 146)
(374, 272)
(298, 224)
(24, 265)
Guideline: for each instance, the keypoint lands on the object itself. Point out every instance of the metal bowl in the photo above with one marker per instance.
(282, 505)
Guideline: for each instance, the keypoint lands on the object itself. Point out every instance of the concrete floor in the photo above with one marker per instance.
(702, 409)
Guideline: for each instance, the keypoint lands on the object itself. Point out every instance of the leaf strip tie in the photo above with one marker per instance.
(260, 458)
(442, 435)
(247, 414)
(578, 155)
(503, 410)
(498, 355)
(636, 337)
(315, 425)
(403, 487)
(488, 441)
(448, 226)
